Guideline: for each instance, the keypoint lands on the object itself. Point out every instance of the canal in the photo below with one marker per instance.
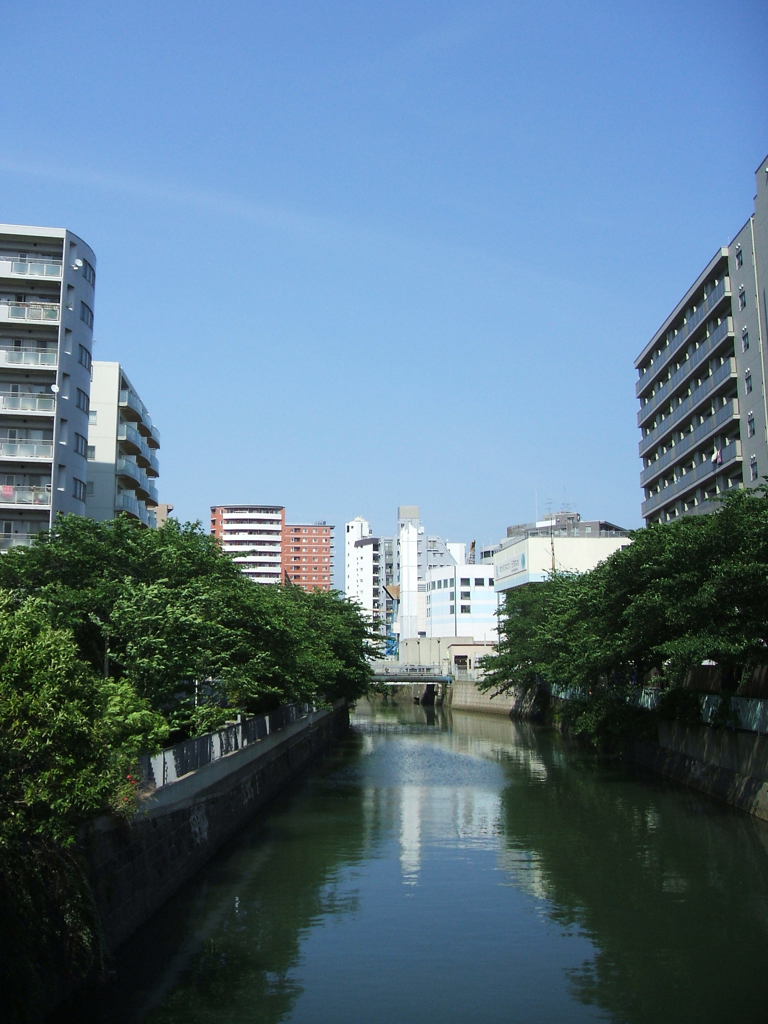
(458, 867)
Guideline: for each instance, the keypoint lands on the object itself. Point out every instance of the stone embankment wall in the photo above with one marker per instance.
(136, 866)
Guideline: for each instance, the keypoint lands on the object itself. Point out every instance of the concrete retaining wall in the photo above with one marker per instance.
(136, 866)
(728, 764)
(465, 696)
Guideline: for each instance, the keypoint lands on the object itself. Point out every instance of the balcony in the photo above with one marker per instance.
(710, 426)
(723, 290)
(129, 469)
(25, 495)
(680, 412)
(153, 469)
(686, 481)
(724, 330)
(127, 503)
(11, 401)
(35, 267)
(16, 540)
(26, 449)
(131, 406)
(46, 358)
(46, 311)
(154, 438)
(130, 438)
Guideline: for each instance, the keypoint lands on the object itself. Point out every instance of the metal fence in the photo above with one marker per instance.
(182, 758)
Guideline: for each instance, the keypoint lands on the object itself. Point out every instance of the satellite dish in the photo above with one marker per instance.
(77, 264)
(55, 388)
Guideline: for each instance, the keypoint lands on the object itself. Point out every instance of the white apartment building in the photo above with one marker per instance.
(253, 535)
(122, 449)
(47, 281)
(461, 602)
(364, 573)
(414, 553)
(561, 542)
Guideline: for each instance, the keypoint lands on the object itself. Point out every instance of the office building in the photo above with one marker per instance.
(253, 535)
(47, 281)
(122, 449)
(701, 381)
(307, 558)
(561, 542)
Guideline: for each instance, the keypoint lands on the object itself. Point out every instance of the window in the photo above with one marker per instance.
(480, 582)
(89, 273)
(753, 468)
(91, 456)
(748, 382)
(466, 595)
(750, 425)
(742, 298)
(86, 314)
(81, 445)
(465, 583)
(91, 415)
(452, 609)
(739, 258)
(466, 609)
(83, 402)
(89, 488)
(78, 489)
(84, 357)
(744, 340)
(490, 583)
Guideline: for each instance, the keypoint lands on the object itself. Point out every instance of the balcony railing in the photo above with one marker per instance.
(685, 408)
(126, 503)
(130, 437)
(26, 449)
(154, 465)
(154, 438)
(702, 352)
(46, 357)
(131, 403)
(694, 477)
(128, 468)
(10, 495)
(18, 402)
(31, 267)
(729, 412)
(707, 307)
(15, 540)
(49, 311)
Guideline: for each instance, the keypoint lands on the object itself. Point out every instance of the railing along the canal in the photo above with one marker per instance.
(182, 758)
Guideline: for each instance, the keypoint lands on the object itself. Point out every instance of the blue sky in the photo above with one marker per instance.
(356, 255)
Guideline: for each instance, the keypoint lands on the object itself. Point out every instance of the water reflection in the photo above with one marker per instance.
(459, 867)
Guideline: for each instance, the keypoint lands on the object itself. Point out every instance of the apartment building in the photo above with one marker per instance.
(308, 555)
(253, 535)
(47, 282)
(365, 575)
(701, 381)
(123, 442)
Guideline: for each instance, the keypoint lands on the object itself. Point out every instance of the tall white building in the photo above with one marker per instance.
(416, 552)
(122, 449)
(47, 281)
(364, 573)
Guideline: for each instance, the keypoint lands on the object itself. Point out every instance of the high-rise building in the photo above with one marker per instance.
(702, 381)
(415, 553)
(308, 555)
(364, 572)
(253, 535)
(47, 280)
(122, 449)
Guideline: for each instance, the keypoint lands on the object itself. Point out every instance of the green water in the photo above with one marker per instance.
(462, 868)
